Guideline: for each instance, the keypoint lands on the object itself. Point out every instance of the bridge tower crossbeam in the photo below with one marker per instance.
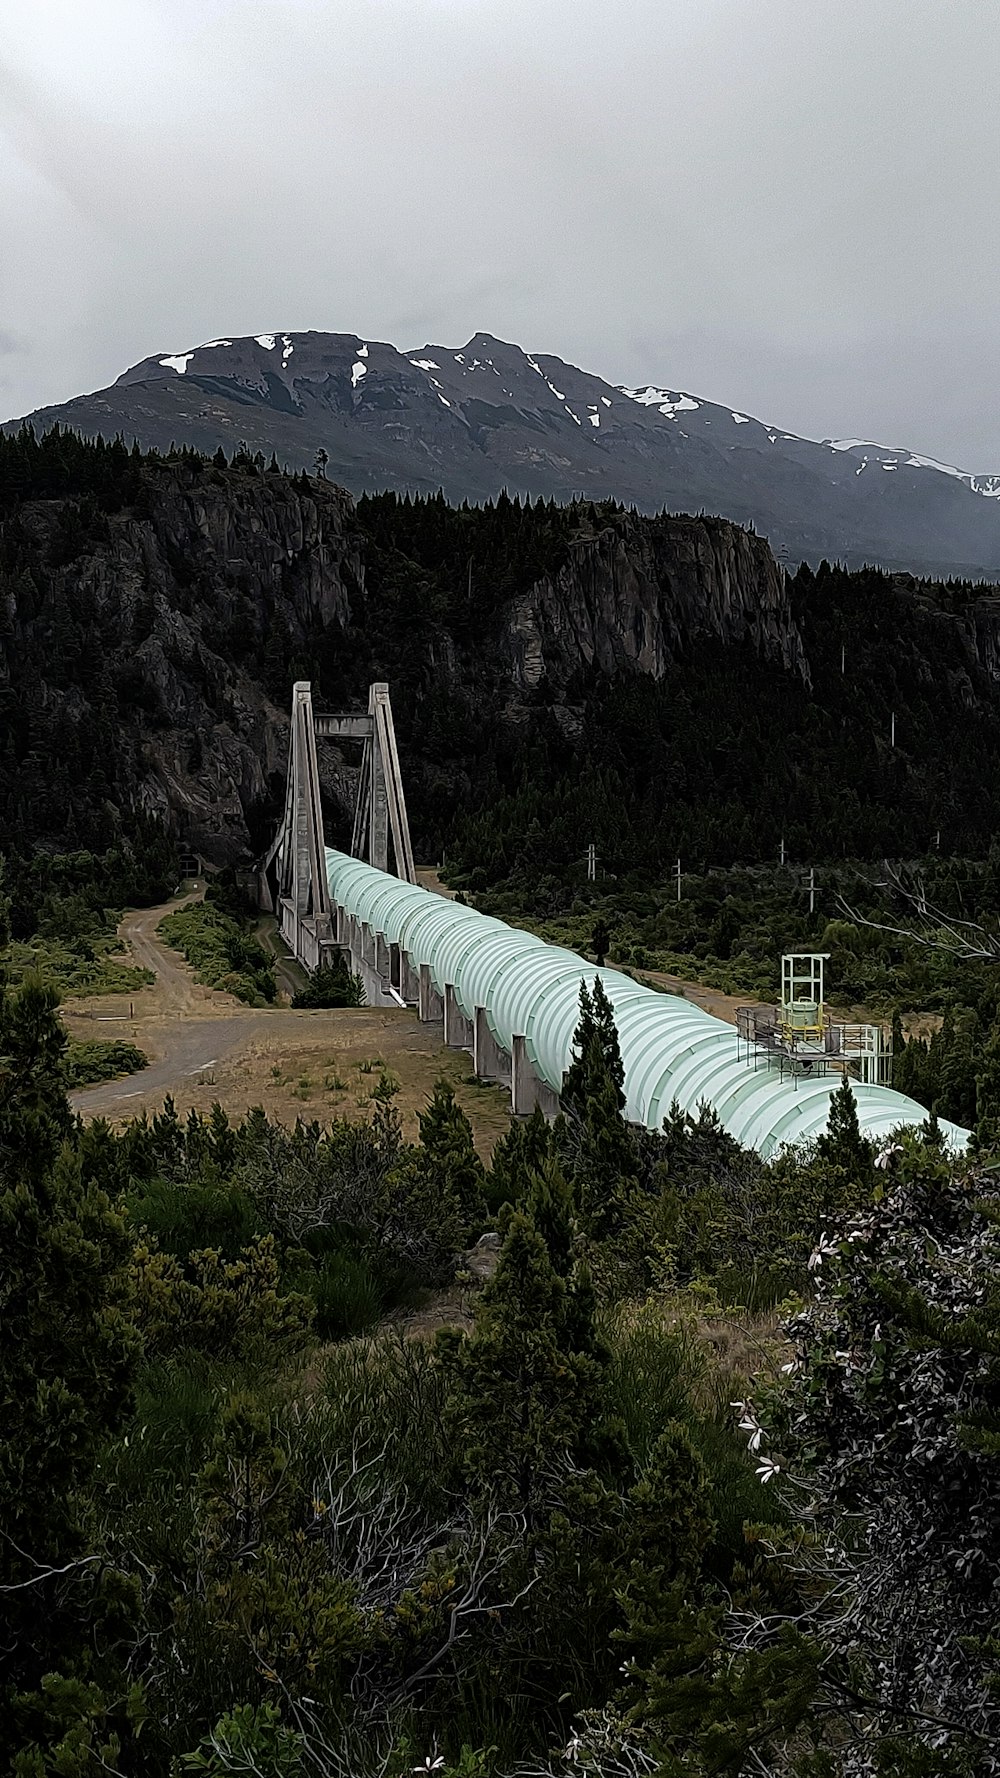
(292, 881)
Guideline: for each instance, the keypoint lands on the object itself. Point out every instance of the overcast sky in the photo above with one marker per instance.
(787, 205)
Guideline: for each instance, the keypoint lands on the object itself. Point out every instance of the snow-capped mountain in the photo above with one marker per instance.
(489, 415)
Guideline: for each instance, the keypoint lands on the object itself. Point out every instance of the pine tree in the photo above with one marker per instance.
(600, 1151)
(670, 1640)
(526, 1386)
(596, 1056)
(842, 1147)
(900, 1071)
(604, 1164)
(956, 1096)
(450, 1150)
(222, 1140)
(574, 1087)
(549, 1203)
(66, 1360)
(523, 1151)
(600, 940)
(703, 1709)
(34, 1115)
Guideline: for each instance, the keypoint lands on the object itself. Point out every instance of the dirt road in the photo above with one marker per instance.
(183, 1027)
(204, 1045)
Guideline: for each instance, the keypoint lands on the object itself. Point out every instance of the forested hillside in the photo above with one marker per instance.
(559, 674)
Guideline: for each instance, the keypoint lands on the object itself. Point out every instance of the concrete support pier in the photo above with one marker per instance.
(409, 980)
(430, 1006)
(527, 1092)
(489, 1060)
(458, 1033)
(391, 979)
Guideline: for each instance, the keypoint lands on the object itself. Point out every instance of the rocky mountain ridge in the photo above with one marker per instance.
(660, 682)
(167, 635)
(489, 416)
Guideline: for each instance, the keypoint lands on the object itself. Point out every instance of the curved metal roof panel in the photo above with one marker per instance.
(671, 1049)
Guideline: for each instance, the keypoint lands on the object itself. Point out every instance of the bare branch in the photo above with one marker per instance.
(934, 929)
(43, 1571)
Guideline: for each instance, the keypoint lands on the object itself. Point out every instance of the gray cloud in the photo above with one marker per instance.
(787, 207)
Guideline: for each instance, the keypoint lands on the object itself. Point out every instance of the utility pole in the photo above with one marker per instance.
(843, 657)
(812, 889)
(892, 731)
(678, 879)
(591, 863)
(782, 848)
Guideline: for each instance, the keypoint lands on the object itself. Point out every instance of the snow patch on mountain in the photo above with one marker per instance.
(179, 362)
(895, 457)
(670, 402)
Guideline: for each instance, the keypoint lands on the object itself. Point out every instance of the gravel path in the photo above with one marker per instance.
(182, 1026)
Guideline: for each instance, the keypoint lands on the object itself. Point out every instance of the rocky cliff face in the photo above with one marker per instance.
(148, 646)
(633, 600)
(179, 622)
(144, 626)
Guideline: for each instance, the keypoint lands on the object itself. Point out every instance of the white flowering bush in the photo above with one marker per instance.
(885, 1435)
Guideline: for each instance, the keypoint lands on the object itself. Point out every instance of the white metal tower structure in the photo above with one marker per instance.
(800, 1036)
(292, 880)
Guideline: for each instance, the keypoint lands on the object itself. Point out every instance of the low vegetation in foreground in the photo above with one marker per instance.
(700, 1477)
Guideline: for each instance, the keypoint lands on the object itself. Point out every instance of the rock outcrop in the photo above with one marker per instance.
(148, 646)
(633, 599)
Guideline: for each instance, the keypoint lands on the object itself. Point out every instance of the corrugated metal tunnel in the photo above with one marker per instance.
(514, 1000)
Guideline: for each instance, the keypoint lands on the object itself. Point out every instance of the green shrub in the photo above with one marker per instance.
(184, 1218)
(347, 1295)
(88, 966)
(332, 985)
(93, 1059)
(223, 953)
(210, 1305)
